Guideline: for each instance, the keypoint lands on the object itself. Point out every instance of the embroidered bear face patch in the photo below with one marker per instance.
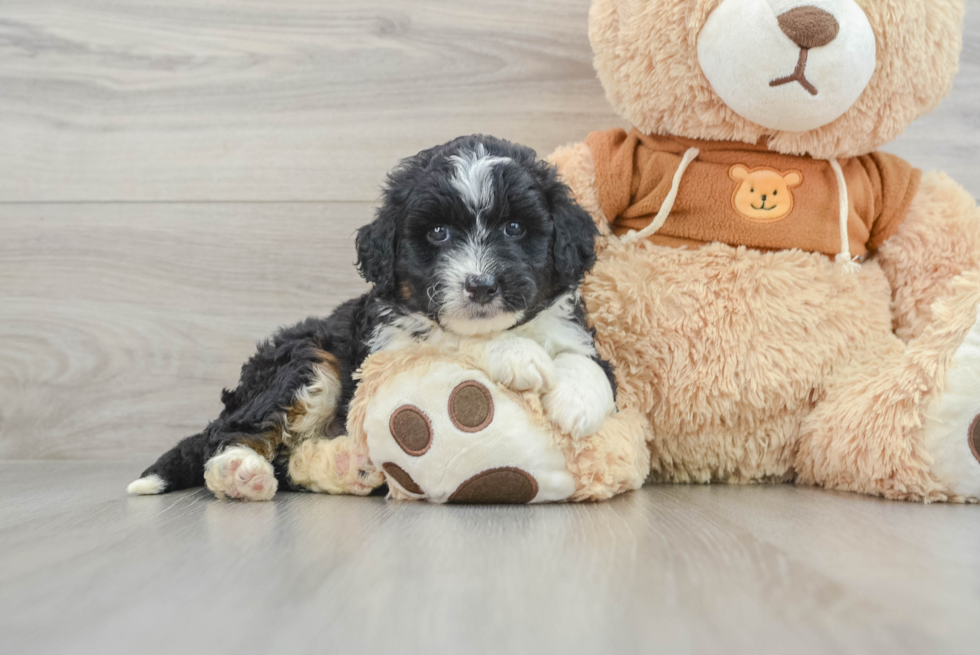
(764, 195)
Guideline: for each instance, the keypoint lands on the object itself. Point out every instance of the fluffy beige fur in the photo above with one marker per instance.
(614, 460)
(774, 366)
(646, 56)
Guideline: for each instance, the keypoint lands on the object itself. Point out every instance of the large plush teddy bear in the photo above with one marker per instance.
(782, 300)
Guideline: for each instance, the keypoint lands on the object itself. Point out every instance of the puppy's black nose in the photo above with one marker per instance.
(809, 27)
(481, 289)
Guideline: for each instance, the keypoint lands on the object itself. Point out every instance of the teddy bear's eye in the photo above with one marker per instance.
(775, 193)
(752, 190)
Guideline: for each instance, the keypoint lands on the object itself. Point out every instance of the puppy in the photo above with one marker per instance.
(475, 241)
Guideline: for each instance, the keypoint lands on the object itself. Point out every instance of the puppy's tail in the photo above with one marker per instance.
(181, 467)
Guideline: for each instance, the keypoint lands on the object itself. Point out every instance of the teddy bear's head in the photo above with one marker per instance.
(828, 78)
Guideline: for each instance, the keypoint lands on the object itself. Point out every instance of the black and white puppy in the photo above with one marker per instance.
(474, 240)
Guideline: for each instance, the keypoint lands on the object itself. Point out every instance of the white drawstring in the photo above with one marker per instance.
(844, 259)
(668, 204)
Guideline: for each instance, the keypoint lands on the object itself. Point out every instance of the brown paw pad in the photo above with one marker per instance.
(503, 486)
(412, 429)
(471, 407)
(404, 480)
(975, 437)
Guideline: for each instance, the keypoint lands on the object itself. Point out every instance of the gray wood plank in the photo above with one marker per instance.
(680, 569)
(120, 324)
(301, 100)
(286, 100)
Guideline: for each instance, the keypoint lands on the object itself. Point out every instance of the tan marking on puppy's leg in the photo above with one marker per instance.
(265, 444)
(315, 405)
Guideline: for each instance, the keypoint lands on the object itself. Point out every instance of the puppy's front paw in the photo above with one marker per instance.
(519, 364)
(240, 472)
(582, 397)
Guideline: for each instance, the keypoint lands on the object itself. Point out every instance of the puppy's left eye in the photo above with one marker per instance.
(514, 229)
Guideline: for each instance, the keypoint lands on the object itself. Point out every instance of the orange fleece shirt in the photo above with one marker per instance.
(745, 195)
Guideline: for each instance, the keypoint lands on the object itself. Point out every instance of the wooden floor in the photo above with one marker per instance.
(178, 179)
(673, 569)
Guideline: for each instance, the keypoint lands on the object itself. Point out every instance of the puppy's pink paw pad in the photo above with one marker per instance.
(241, 473)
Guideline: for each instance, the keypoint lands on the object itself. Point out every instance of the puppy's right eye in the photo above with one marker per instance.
(439, 234)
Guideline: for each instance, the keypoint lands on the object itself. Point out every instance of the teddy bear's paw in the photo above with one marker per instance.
(952, 429)
(581, 397)
(240, 472)
(520, 364)
(459, 438)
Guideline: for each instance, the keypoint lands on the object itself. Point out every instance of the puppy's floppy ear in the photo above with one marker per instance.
(377, 243)
(575, 232)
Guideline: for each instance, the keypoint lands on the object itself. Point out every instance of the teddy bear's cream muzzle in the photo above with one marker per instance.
(789, 65)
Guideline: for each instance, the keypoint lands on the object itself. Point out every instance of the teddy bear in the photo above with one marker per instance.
(781, 299)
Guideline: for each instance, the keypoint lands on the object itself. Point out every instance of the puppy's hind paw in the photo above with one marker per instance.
(240, 472)
(333, 466)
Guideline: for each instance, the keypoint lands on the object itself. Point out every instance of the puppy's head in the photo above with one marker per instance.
(477, 234)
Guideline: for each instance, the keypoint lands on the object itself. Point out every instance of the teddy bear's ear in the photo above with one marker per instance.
(739, 173)
(793, 178)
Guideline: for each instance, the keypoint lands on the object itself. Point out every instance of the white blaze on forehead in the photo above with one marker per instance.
(473, 179)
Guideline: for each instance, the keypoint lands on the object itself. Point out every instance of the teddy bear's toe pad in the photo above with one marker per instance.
(412, 429)
(471, 406)
(498, 486)
(449, 434)
(402, 477)
(975, 437)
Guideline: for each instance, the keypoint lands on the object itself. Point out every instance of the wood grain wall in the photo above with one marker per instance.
(179, 178)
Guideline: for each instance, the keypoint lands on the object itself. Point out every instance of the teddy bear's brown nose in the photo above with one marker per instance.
(809, 27)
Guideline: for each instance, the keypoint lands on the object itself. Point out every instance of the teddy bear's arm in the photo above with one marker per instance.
(938, 241)
(577, 169)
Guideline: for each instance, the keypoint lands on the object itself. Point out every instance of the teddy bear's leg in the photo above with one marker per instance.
(896, 421)
(577, 169)
(335, 466)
